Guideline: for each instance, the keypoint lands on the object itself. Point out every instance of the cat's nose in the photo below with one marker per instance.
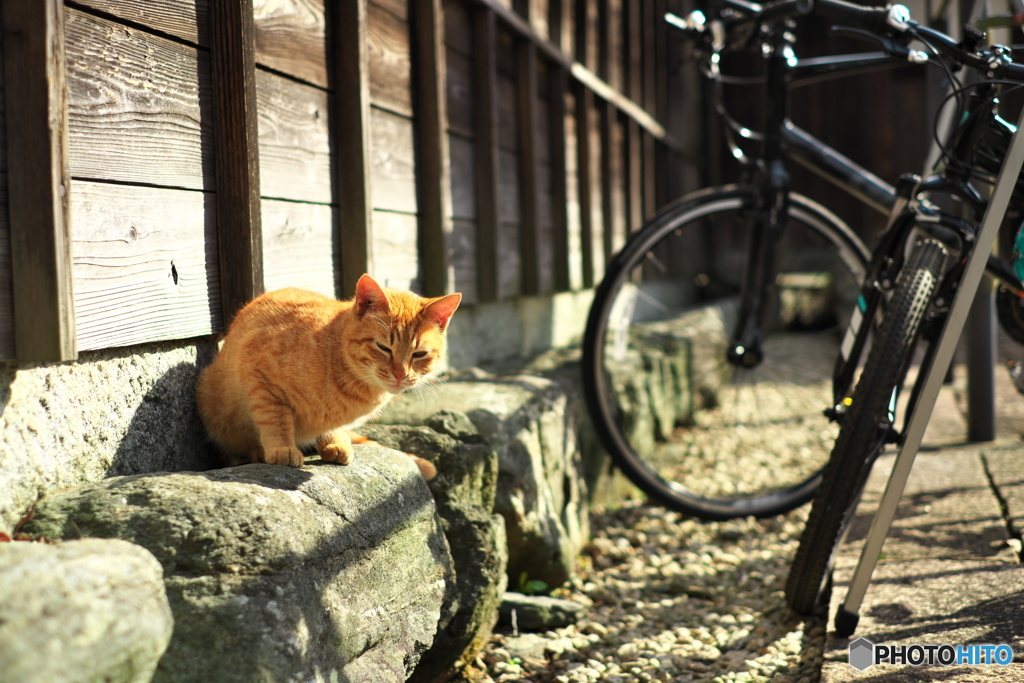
(400, 375)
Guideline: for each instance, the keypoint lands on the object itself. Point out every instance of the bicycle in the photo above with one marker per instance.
(735, 292)
(923, 273)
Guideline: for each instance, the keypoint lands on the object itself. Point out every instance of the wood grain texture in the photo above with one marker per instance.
(294, 140)
(236, 153)
(38, 180)
(140, 106)
(145, 264)
(458, 26)
(464, 263)
(431, 144)
(390, 61)
(559, 151)
(527, 96)
(291, 37)
(392, 162)
(6, 301)
(350, 137)
(462, 104)
(464, 177)
(299, 247)
(395, 257)
(185, 19)
(485, 89)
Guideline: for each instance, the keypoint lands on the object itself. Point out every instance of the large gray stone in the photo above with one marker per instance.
(325, 573)
(464, 489)
(84, 611)
(114, 412)
(541, 491)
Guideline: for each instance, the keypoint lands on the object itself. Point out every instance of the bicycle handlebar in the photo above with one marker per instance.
(890, 26)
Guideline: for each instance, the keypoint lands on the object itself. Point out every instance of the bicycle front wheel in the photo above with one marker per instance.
(865, 428)
(695, 432)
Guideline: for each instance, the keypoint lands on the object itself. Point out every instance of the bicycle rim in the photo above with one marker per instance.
(693, 431)
(861, 438)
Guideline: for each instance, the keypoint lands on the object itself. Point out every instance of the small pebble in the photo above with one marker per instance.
(665, 598)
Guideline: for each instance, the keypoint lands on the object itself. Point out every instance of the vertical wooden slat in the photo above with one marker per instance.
(485, 86)
(633, 86)
(607, 119)
(431, 140)
(236, 152)
(558, 81)
(662, 193)
(557, 87)
(350, 135)
(584, 98)
(38, 180)
(529, 185)
(650, 101)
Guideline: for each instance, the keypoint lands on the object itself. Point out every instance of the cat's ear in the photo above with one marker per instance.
(440, 310)
(370, 295)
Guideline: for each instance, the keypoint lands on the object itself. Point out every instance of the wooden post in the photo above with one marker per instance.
(529, 186)
(485, 87)
(557, 90)
(236, 153)
(584, 97)
(431, 138)
(633, 76)
(350, 136)
(39, 180)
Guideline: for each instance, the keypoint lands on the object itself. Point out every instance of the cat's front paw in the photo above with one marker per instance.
(336, 452)
(283, 456)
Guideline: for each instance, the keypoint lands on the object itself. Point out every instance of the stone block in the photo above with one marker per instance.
(84, 610)
(323, 573)
(541, 492)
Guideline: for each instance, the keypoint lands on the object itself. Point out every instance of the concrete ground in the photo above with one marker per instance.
(950, 570)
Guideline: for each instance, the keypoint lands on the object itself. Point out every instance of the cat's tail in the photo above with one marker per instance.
(427, 468)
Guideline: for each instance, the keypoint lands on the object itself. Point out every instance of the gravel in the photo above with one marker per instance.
(670, 598)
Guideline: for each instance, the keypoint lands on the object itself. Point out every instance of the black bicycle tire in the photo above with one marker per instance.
(860, 438)
(729, 198)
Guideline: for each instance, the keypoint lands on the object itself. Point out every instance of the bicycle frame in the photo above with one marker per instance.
(783, 140)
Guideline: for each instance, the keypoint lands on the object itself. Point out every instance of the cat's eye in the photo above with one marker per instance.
(420, 354)
(383, 348)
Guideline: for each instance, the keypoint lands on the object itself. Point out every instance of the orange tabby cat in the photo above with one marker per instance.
(298, 368)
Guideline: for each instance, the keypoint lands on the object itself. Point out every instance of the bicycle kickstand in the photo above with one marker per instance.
(849, 613)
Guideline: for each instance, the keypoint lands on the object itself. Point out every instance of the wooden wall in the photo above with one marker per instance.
(217, 148)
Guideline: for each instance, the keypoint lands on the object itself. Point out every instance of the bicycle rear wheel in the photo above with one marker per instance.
(695, 432)
(864, 429)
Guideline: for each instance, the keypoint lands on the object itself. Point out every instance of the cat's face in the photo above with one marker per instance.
(401, 335)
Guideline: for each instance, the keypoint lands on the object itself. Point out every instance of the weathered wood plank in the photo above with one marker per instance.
(572, 204)
(6, 304)
(137, 111)
(145, 264)
(185, 19)
(584, 100)
(38, 180)
(458, 27)
(606, 121)
(559, 150)
(485, 89)
(461, 102)
(392, 162)
(236, 152)
(298, 247)
(464, 177)
(400, 8)
(291, 37)
(464, 261)
(529, 246)
(433, 188)
(294, 139)
(395, 256)
(390, 62)
(350, 135)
